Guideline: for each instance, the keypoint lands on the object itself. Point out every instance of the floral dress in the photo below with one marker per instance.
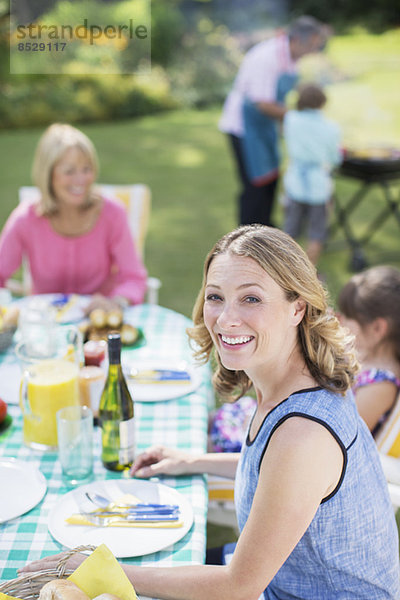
(229, 426)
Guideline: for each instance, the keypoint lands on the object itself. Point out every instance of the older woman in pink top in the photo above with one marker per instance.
(74, 240)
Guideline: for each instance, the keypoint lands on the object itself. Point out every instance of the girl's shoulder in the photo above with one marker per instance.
(375, 375)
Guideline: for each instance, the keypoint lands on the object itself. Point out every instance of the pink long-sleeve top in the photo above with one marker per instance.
(104, 260)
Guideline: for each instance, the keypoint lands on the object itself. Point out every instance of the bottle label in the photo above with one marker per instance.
(127, 441)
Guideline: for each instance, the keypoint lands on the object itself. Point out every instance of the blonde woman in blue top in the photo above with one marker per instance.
(313, 508)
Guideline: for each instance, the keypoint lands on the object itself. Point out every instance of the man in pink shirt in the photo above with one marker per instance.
(255, 106)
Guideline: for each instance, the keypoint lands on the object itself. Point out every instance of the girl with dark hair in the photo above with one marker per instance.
(369, 307)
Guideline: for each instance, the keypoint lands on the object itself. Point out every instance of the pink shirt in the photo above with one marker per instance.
(257, 80)
(104, 260)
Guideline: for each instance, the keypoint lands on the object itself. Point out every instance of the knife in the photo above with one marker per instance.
(159, 376)
(134, 511)
(100, 519)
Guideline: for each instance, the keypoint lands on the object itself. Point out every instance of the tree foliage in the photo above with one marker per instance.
(375, 16)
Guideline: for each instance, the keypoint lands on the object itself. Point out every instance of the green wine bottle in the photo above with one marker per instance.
(116, 413)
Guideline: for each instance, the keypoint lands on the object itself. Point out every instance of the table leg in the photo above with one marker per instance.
(358, 260)
(342, 213)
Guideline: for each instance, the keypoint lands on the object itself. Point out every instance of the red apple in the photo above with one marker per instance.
(3, 410)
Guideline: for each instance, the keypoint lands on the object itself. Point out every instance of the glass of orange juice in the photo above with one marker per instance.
(46, 387)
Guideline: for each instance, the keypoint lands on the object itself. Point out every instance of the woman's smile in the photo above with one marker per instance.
(235, 342)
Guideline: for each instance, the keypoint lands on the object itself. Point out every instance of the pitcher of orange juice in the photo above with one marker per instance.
(46, 386)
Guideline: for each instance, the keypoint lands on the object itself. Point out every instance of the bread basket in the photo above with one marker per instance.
(27, 587)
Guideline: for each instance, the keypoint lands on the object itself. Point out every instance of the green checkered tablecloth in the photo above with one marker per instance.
(180, 422)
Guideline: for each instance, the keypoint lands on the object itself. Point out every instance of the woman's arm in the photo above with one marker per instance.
(11, 248)
(130, 280)
(374, 400)
(158, 459)
(294, 477)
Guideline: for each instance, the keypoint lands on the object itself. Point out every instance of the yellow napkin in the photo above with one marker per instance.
(125, 499)
(101, 573)
(5, 597)
(77, 519)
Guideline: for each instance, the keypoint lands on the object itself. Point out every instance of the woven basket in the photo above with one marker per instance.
(27, 587)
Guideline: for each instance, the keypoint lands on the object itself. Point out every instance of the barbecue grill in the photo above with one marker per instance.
(380, 167)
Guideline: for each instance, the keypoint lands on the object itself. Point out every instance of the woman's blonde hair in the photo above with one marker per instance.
(56, 140)
(326, 347)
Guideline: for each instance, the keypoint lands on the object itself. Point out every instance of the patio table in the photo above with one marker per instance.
(178, 422)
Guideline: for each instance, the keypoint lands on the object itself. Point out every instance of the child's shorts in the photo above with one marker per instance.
(297, 214)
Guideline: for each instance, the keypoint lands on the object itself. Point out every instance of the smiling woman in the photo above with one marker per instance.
(309, 468)
(75, 240)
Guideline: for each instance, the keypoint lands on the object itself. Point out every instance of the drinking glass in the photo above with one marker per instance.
(75, 443)
(37, 327)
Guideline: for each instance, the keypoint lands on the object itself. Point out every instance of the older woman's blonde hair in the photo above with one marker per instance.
(326, 347)
(56, 140)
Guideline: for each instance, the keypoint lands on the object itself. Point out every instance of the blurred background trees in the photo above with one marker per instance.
(196, 48)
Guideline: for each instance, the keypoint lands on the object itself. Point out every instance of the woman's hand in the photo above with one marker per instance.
(51, 562)
(158, 459)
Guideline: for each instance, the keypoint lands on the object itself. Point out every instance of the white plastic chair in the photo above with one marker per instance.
(221, 507)
(137, 200)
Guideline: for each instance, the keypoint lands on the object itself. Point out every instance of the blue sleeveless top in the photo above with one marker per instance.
(350, 550)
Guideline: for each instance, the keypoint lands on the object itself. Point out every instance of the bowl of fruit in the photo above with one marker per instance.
(8, 325)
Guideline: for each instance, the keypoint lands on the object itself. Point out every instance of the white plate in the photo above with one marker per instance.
(22, 488)
(123, 542)
(68, 314)
(158, 392)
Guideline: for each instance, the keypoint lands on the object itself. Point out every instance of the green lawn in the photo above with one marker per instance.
(186, 162)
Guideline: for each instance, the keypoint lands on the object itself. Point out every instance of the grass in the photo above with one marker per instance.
(186, 161)
(187, 164)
